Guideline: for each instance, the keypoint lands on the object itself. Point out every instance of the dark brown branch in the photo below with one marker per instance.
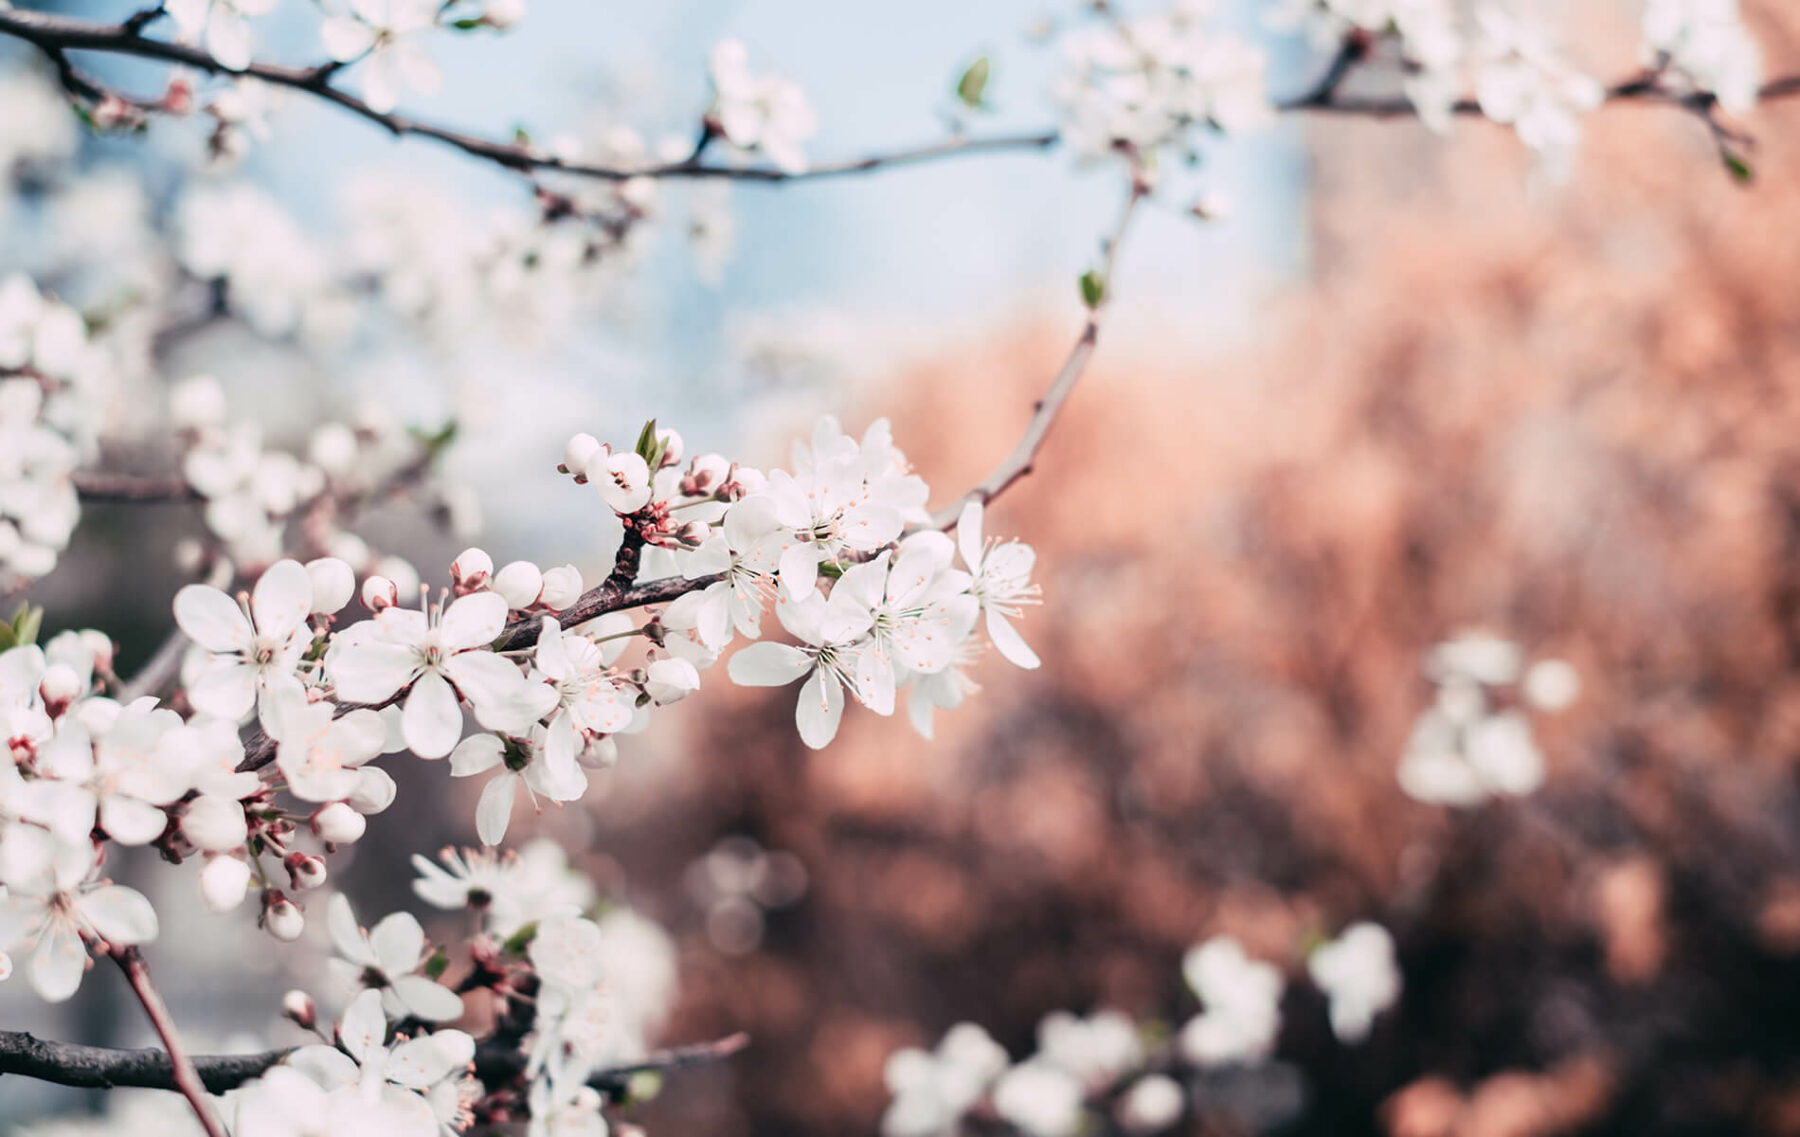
(101, 1067)
(93, 485)
(55, 34)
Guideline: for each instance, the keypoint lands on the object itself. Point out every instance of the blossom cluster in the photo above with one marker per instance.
(877, 609)
(1106, 1064)
(1139, 83)
(1475, 740)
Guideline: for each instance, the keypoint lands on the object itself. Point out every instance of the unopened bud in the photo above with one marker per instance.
(339, 824)
(214, 823)
(379, 592)
(333, 584)
(562, 587)
(577, 453)
(59, 687)
(283, 918)
(520, 584)
(298, 1007)
(101, 647)
(706, 475)
(671, 443)
(503, 14)
(694, 534)
(471, 571)
(1211, 207)
(223, 883)
(304, 871)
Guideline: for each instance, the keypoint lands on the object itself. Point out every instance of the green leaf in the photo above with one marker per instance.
(1093, 288)
(437, 964)
(521, 939)
(646, 444)
(971, 88)
(435, 441)
(25, 624)
(1741, 170)
(466, 24)
(7, 639)
(831, 569)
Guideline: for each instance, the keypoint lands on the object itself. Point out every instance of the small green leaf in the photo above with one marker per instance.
(831, 569)
(466, 24)
(437, 964)
(1741, 171)
(521, 939)
(646, 443)
(1093, 288)
(25, 624)
(7, 639)
(435, 441)
(971, 88)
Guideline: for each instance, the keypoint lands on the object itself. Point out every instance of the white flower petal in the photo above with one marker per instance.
(768, 665)
(431, 720)
(212, 619)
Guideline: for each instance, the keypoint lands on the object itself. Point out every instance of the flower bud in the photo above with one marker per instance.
(379, 592)
(401, 572)
(332, 448)
(59, 687)
(333, 584)
(190, 555)
(298, 1007)
(670, 441)
(694, 534)
(562, 587)
(503, 14)
(223, 883)
(339, 824)
(743, 482)
(214, 823)
(1211, 207)
(100, 646)
(1152, 1104)
(706, 475)
(283, 918)
(374, 790)
(197, 402)
(304, 871)
(351, 549)
(471, 571)
(577, 453)
(520, 583)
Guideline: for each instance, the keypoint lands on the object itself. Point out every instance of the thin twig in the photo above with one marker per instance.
(93, 485)
(1024, 454)
(182, 1069)
(53, 33)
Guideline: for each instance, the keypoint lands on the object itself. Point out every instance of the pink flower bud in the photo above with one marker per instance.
(304, 871)
(672, 446)
(520, 583)
(283, 918)
(577, 453)
(379, 592)
(333, 584)
(214, 823)
(694, 534)
(223, 883)
(59, 687)
(562, 587)
(471, 571)
(298, 1007)
(339, 824)
(706, 475)
(100, 646)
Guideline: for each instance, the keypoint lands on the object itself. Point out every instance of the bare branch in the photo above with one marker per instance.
(101, 1067)
(93, 485)
(55, 34)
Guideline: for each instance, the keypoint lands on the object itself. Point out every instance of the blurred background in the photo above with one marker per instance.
(1404, 391)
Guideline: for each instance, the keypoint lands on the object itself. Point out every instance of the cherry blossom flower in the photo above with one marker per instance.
(373, 661)
(527, 763)
(1358, 973)
(222, 24)
(1708, 46)
(52, 913)
(254, 654)
(932, 1090)
(116, 775)
(1242, 999)
(1040, 1098)
(828, 661)
(760, 112)
(397, 1077)
(321, 753)
(1000, 582)
(386, 958)
(385, 34)
(589, 698)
